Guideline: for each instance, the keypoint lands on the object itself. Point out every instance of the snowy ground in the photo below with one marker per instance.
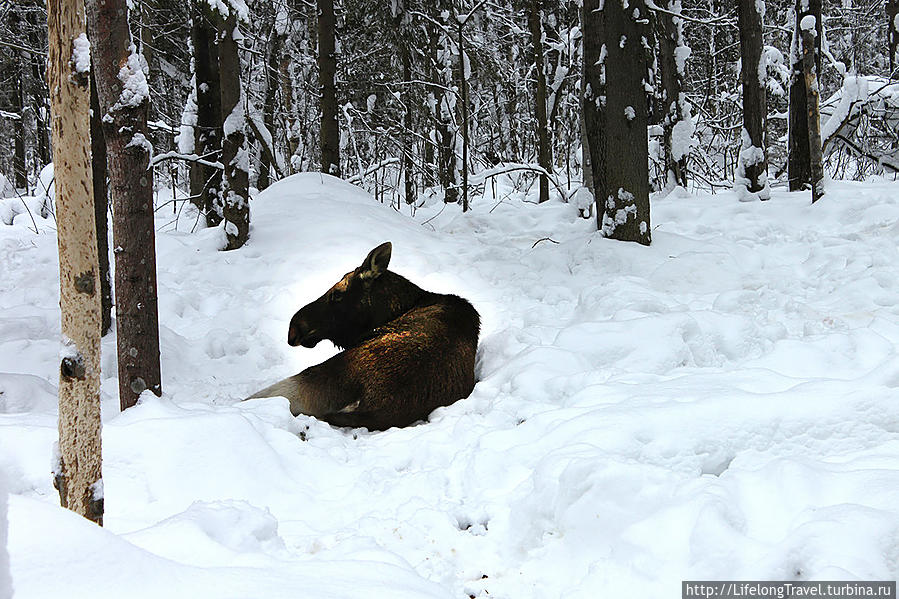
(723, 404)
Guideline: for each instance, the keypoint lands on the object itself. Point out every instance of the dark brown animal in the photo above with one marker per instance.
(406, 351)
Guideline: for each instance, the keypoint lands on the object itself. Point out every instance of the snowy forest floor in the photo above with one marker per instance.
(721, 405)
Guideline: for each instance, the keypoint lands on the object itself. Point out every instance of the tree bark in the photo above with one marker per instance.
(544, 151)
(327, 72)
(131, 190)
(813, 116)
(77, 473)
(268, 108)
(752, 173)
(236, 182)
(463, 81)
(206, 181)
(675, 111)
(616, 117)
(408, 99)
(892, 8)
(20, 164)
(593, 88)
(101, 207)
(798, 159)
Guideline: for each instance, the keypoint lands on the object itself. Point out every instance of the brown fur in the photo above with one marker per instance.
(407, 350)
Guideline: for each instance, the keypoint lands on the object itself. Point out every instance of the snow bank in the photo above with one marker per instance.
(721, 404)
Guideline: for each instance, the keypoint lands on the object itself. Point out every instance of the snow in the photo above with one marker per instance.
(186, 138)
(236, 120)
(81, 54)
(807, 23)
(133, 75)
(5, 578)
(682, 139)
(721, 404)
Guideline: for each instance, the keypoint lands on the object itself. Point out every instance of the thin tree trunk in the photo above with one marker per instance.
(675, 112)
(408, 176)
(268, 109)
(101, 207)
(752, 167)
(544, 151)
(236, 182)
(206, 181)
(39, 90)
(593, 90)
(463, 80)
(77, 473)
(798, 160)
(816, 158)
(327, 71)
(131, 190)
(892, 8)
(20, 164)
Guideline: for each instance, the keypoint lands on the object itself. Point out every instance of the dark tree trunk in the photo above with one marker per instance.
(327, 71)
(206, 181)
(236, 181)
(408, 99)
(131, 190)
(798, 159)
(39, 90)
(893, 36)
(593, 85)
(101, 205)
(616, 117)
(753, 162)
(463, 84)
(20, 165)
(816, 158)
(268, 109)
(544, 152)
(673, 110)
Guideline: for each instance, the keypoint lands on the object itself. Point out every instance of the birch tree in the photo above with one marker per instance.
(77, 471)
(121, 77)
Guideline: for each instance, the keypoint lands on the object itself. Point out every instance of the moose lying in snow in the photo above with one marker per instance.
(406, 351)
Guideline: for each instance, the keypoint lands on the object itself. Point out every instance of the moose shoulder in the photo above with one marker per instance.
(406, 351)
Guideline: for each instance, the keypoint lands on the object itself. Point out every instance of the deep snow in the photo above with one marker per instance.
(722, 404)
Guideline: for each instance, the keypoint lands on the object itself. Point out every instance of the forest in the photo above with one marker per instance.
(639, 327)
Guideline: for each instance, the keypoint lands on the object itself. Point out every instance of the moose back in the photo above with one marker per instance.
(406, 351)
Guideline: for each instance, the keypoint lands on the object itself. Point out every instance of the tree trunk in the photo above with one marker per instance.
(77, 473)
(206, 181)
(752, 165)
(131, 189)
(327, 71)
(463, 84)
(408, 99)
(593, 88)
(816, 158)
(616, 117)
(544, 151)
(20, 165)
(236, 182)
(101, 207)
(268, 109)
(39, 90)
(798, 159)
(675, 110)
(893, 36)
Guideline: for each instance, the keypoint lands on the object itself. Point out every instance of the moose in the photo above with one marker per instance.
(405, 351)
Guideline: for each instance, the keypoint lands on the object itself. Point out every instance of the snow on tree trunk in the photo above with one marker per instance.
(121, 77)
(235, 157)
(677, 120)
(616, 116)
(77, 469)
(813, 124)
(206, 181)
(751, 180)
(101, 207)
(798, 159)
(544, 151)
(327, 70)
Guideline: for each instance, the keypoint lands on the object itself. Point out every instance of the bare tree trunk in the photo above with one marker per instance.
(206, 181)
(593, 84)
(20, 165)
(101, 207)
(616, 117)
(327, 71)
(893, 36)
(463, 80)
(752, 167)
(408, 98)
(235, 158)
(268, 109)
(544, 151)
(813, 116)
(124, 100)
(798, 159)
(77, 473)
(39, 91)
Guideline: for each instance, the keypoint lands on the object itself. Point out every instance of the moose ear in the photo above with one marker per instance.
(376, 262)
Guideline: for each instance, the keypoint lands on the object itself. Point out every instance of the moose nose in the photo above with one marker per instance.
(301, 334)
